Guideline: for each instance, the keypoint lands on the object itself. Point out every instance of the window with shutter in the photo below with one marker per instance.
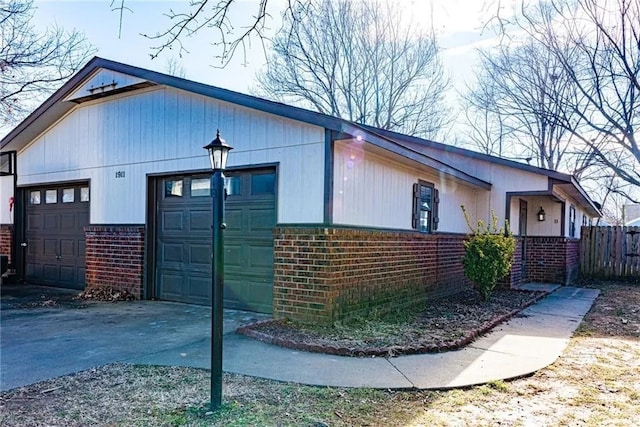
(425, 207)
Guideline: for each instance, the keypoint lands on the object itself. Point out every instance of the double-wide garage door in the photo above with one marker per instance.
(55, 239)
(183, 239)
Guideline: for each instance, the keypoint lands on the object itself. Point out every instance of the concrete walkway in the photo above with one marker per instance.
(157, 333)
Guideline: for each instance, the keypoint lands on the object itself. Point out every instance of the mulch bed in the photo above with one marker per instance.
(445, 324)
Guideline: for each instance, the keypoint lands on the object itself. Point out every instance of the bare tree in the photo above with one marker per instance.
(524, 90)
(603, 65)
(606, 36)
(33, 63)
(360, 61)
(175, 68)
(487, 131)
(233, 29)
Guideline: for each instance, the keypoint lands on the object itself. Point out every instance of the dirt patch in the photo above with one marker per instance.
(445, 324)
(616, 315)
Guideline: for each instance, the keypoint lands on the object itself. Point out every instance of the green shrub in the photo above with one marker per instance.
(488, 254)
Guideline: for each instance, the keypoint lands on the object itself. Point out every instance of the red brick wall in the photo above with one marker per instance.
(115, 257)
(552, 259)
(332, 274)
(515, 276)
(449, 272)
(572, 260)
(6, 236)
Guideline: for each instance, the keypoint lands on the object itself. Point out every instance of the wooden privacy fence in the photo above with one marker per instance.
(610, 252)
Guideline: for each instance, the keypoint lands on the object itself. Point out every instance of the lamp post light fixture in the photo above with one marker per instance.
(218, 152)
(541, 214)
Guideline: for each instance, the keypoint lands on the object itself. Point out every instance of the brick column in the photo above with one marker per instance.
(6, 240)
(552, 259)
(572, 260)
(115, 257)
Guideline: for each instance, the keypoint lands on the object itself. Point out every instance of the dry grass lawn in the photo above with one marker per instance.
(594, 383)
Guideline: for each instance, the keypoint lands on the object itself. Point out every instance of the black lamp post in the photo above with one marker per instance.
(218, 151)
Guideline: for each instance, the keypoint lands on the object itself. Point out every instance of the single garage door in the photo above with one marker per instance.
(55, 221)
(183, 258)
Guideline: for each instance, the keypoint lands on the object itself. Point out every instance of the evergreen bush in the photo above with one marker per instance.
(488, 254)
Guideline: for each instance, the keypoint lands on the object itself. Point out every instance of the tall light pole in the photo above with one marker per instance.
(218, 151)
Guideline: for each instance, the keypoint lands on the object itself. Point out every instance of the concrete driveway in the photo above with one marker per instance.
(48, 341)
(44, 333)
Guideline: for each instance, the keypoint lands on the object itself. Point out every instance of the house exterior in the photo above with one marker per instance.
(631, 215)
(107, 184)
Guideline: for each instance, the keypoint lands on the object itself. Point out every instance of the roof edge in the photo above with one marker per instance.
(472, 153)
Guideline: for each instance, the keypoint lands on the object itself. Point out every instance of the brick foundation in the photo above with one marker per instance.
(553, 259)
(6, 239)
(333, 274)
(115, 257)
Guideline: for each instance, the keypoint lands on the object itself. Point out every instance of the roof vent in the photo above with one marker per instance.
(103, 87)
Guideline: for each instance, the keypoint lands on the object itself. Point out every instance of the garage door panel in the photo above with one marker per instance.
(67, 248)
(261, 291)
(51, 222)
(50, 247)
(235, 293)
(200, 220)
(171, 282)
(261, 220)
(171, 253)
(33, 269)
(68, 222)
(260, 256)
(200, 255)
(232, 254)
(35, 222)
(233, 219)
(199, 288)
(172, 221)
(248, 294)
(67, 274)
(50, 272)
(34, 247)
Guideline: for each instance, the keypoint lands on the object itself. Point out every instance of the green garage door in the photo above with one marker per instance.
(55, 242)
(183, 258)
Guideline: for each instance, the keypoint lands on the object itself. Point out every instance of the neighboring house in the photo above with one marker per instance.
(631, 211)
(326, 219)
(633, 223)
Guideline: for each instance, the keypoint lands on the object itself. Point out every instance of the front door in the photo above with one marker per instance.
(522, 231)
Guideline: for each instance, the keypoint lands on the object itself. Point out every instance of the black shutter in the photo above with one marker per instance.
(415, 216)
(436, 203)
